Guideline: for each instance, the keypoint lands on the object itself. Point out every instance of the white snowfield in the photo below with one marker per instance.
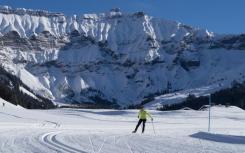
(109, 131)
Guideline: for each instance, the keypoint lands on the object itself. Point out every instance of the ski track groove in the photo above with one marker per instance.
(116, 139)
(203, 149)
(41, 123)
(127, 144)
(102, 145)
(50, 144)
(54, 139)
(91, 143)
(50, 140)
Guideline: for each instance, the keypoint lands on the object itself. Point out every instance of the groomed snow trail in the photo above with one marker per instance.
(109, 131)
(51, 141)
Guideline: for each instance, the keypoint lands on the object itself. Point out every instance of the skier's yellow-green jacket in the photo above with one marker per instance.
(143, 114)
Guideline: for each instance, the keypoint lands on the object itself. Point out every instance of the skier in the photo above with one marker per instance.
(142, 115)
(3, 104)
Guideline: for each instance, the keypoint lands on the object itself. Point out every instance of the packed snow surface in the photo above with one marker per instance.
(109, 131)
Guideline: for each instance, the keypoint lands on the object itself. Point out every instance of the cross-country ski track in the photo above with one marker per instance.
(109, 131)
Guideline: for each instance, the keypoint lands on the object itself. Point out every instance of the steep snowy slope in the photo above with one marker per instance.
(114, 58)
(12, 89)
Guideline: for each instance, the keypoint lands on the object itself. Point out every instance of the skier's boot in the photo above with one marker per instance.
(134, 131)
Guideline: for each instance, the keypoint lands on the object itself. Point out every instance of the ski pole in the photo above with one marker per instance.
(153, 127)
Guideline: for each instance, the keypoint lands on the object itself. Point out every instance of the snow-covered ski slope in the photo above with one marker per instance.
(109, 131)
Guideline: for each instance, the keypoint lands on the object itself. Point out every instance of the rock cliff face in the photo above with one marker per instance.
(114, 57)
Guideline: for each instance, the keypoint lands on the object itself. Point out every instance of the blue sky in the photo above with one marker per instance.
(222, 16)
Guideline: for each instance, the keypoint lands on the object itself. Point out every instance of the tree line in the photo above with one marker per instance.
(10, 91)
(234, 96)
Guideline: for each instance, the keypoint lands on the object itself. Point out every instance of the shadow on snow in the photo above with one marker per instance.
(232, 139)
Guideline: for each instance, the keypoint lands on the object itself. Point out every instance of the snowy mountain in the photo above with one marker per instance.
(115, 58)
(14, 91)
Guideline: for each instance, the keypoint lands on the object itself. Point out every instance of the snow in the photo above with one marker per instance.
(60, 65)
(27, 92)
(215, 73)
(109, 131)
(99, 26)
(180, 96)
(126, 34)
(53, 68)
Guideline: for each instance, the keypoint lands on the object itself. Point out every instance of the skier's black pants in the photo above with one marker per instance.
(143, 128)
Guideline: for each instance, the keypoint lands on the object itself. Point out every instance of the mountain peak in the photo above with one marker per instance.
(110, 57)
(22, 11)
